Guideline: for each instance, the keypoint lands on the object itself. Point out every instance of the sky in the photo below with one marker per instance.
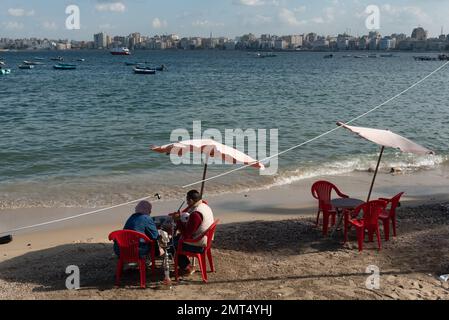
(231, 18)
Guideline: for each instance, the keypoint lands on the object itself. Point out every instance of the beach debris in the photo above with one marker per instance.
(444, 277)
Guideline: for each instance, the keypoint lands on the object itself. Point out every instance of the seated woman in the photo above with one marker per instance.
(141, 222)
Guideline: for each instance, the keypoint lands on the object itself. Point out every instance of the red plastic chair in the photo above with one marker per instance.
(370, 221)
(390, 215)
(322, 191)
(128, 242)
(200, 256)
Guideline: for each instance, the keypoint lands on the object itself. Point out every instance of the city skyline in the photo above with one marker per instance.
(229, 18)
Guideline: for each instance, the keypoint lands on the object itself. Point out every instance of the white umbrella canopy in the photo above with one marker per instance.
(210, 148)
(386, 138)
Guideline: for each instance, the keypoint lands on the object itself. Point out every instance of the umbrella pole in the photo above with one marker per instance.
(204, 178)
(375, 173)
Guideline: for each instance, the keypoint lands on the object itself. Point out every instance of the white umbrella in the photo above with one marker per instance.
(386, 138)
(211, 149)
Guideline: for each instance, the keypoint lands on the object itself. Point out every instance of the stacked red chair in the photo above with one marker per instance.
(369, 222)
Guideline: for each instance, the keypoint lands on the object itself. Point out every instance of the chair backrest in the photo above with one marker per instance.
(371, 211)
(394, 202)
(210, 233)
(128, 242)
(322, 190)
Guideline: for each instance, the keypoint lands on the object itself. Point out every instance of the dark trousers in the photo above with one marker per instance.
(184, 261)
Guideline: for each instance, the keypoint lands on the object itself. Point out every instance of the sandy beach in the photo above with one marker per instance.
(266, 247)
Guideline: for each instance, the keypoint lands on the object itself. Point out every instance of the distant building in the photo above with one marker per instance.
(387, 43)
(419, 34)
(280, 44)
(100, 41)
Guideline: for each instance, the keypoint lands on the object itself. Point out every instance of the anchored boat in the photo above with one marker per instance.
(5, 71)
(64, 66)
(26, 66)
(144, 70)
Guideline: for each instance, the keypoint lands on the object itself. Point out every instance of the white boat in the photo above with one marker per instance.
(120, 51)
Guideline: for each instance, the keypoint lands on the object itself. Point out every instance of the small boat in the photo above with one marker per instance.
(387, 55)
(37, 58)
(161, 68)
(64, 66)
(329, 56)
(5, 71)
(143, 70)
(372, 56)
(26, 66)
(359, 57)
(131, 63)
(32, 63)
(265, 55)
(425, 58)
(347, 56)
(80, 60)
(57, 59)
(120, 51)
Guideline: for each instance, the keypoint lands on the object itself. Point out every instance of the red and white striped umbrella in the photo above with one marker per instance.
(210, 148)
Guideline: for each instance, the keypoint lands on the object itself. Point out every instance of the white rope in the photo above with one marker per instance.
(234, 170)
(72, 217)
(321, 135)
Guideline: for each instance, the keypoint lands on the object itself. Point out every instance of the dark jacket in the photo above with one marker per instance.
(142, 223)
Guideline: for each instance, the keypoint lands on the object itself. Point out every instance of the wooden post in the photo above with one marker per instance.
(204, 178)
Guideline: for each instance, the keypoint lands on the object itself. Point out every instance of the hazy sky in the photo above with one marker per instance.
(46, 18)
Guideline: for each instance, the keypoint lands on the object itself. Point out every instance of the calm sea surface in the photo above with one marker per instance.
(82, 137)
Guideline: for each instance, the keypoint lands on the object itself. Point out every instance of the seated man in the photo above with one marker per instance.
(141, 222)
(192, 222)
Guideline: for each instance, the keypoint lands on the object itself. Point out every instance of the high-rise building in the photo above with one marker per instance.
(100, 41)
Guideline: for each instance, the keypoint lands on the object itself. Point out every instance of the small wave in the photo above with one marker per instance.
(367, 163)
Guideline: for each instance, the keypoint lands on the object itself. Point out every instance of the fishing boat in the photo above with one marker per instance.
(26, 66)
(144, 70)
(5, 71)
(32, 63)
(347, 56)
(120, 51)
(64, 66)
(38, 58)
(329, 56)
(57, 59)
(81, 60)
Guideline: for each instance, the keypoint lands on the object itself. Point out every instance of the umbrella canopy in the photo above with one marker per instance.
(386, 138)
(210, 148)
